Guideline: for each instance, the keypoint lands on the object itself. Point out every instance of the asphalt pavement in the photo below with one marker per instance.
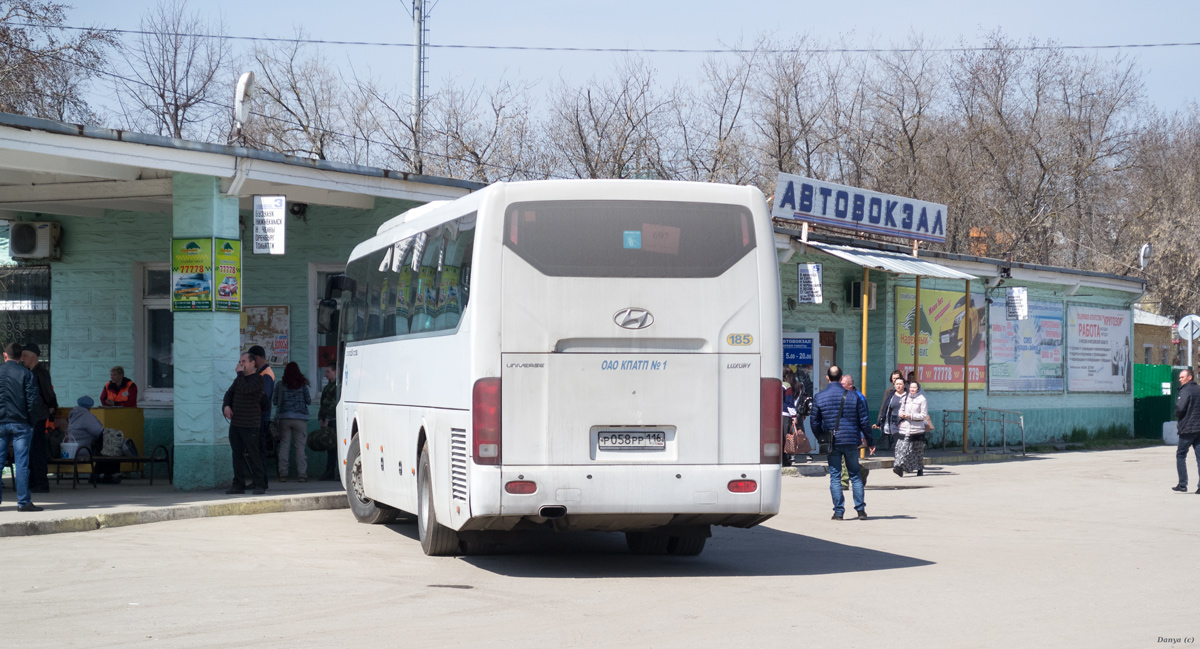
(1081, 549)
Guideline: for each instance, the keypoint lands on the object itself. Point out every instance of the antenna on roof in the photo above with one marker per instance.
(241, 101)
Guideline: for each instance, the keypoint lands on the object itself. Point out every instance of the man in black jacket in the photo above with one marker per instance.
(1187, 411)
(18, 395)
(47, 404)
(842, 415)
(243, 406)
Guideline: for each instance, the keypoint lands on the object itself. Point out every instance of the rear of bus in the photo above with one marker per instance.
(639, 329)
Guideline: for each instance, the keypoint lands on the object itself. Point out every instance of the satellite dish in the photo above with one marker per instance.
(1144, 255)
(241, 100)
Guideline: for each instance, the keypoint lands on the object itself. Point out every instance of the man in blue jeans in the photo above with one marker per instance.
(18, 399)
(840, 413)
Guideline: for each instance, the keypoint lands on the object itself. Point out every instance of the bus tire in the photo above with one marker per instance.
(686, 546)
(364, 509)
(647, 542)
(437, 540)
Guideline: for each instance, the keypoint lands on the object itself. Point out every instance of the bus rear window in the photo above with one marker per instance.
(598, 238)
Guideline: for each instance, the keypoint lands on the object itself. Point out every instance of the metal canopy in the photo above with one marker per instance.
(890, 262)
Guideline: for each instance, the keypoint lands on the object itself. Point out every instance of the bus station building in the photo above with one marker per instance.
(119, 199)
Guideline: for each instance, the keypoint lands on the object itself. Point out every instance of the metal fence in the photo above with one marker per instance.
(984, 416)
(25, 306)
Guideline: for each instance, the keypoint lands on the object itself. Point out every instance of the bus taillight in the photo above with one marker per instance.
(485, 420)
(770, 417)
(743, 486)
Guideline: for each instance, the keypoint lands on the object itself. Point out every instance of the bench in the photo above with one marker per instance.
(83, 455)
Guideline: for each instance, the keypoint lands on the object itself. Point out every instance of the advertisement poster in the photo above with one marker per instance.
(1098, 349)
(944, 322)
(1027, 355)
(270, 327)
(228, 277)
(191, 274)
(799, 356)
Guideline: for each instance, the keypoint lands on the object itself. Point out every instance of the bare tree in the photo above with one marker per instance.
(178, 78)
(614, 129)
(42, 74)
(483, 136)
(712, 142)
(302, 104)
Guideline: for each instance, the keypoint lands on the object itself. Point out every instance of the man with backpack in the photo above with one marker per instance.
(839, 415)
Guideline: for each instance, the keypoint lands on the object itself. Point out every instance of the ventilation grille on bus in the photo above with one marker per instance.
(458, 463)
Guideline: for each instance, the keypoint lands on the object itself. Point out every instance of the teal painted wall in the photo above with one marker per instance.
(1048, 416)
(92, 296)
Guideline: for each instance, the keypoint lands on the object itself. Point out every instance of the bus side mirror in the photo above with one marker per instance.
(327, 316)
(341, 283)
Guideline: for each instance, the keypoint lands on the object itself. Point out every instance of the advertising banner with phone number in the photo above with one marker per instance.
(948, 328)
(228, 277)
(191, 274)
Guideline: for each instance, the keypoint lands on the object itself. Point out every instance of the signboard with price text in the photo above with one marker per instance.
(228, 275)
(191, 274)
(944, 328)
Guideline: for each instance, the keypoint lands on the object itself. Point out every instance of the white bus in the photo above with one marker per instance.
(576, 354)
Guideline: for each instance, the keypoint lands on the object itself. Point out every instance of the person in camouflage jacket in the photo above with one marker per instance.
(327, 416)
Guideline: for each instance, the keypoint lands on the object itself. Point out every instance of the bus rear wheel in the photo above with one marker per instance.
(687, 546)
(364, 509)
(437, 540)
(647, 542)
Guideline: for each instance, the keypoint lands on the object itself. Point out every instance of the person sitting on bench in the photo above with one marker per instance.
(86, 430)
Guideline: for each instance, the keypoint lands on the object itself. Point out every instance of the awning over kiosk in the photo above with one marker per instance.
(890, 261)
(902, 264)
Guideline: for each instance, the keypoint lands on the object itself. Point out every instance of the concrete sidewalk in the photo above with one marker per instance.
(134, 502)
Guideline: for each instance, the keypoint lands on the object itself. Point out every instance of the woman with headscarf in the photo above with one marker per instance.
(910, 446)
(291, 418)
(86, 430)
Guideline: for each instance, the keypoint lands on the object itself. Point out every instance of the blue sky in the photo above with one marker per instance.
(1172, 75)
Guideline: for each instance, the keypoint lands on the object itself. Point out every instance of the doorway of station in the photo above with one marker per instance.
(828, 354)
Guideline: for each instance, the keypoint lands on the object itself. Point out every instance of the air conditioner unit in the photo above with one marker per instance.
(854, 295)
(34, 240)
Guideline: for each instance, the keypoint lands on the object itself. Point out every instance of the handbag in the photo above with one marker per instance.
(322, 439)
(825, 438)
(795, 442)
(112, 443)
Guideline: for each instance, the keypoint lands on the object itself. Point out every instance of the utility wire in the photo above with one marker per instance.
(630, 50)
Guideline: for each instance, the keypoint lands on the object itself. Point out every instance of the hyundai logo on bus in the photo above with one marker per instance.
(633, 318)
(841, 206)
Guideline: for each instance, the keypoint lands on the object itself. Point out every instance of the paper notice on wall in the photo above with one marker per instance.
(1098, 349)
(269, 327)
(270, 224)
(1016, 301)
(809, 276)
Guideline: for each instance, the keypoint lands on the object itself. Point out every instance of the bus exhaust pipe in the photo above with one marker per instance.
(551, 512)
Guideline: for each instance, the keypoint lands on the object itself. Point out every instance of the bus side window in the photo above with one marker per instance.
(425, 299)
(353, 312)
(404, 292)
(456, 270)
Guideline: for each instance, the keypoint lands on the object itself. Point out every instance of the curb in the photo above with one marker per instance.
(181, 512)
